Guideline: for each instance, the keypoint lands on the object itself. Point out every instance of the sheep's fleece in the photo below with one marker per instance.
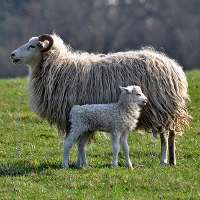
(61, 78)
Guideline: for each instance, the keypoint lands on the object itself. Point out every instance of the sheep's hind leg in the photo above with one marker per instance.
(81, 149)
(171, 144)
(125, 147)
(72, 138)
(115, 147)
(164, 148)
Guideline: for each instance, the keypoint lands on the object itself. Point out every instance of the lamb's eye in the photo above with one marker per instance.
(138, 94)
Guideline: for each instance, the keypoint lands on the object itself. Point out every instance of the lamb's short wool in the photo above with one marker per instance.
(118, 119)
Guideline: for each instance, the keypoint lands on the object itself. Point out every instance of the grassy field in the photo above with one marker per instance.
(31, 156)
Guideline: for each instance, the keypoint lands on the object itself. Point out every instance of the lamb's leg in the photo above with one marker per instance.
(66, 135)
(164, 148)
(171, 144)
(72, 138)
(81, 149)
(115, 146)
(78, 162)
(125, 147)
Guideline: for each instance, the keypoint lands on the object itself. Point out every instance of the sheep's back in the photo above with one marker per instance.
(67, 79)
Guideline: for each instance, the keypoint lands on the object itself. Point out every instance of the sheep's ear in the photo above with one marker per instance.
(41, 44)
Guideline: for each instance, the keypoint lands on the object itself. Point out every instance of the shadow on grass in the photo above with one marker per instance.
(21, 169)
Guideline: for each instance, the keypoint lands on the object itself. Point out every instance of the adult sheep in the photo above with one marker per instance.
(60, 78)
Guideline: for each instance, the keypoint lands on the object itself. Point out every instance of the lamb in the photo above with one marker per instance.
(60, 77)
(118, 119)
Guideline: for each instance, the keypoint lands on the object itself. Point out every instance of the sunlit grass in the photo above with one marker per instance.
(31, 156)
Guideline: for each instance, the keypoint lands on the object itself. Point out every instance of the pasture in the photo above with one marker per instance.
(31, 157)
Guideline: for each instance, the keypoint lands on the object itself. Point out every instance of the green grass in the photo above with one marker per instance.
(31, 156)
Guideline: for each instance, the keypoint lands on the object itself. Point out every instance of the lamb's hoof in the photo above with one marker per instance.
(162, 164)
(130, 166)
(113, 166)
(77, 166)
(65, 165)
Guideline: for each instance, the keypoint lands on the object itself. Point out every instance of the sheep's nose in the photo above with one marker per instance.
(12, 55)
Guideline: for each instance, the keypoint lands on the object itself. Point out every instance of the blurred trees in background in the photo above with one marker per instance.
(172, 26)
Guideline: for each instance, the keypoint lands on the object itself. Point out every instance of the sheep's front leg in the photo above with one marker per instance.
(164, 148)
(171, 144)
(125, 147)
(115, 147)
(81, 149)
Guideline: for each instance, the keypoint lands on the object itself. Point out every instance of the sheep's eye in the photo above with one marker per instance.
(138, 94)
(32, 46)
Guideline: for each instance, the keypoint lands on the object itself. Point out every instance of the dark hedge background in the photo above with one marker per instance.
(172, 26)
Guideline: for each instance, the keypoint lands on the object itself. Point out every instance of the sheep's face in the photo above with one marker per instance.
(29, 54)
(134, 94)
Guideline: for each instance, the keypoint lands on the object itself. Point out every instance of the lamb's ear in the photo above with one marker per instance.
(121, 88)
(126, 89)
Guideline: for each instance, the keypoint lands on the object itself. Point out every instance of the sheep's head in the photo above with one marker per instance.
(31, 52)
(134, 94)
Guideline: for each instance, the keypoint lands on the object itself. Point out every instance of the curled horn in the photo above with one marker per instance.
(48, 38)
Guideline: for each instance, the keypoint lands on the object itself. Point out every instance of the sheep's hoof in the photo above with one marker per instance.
(172, 162)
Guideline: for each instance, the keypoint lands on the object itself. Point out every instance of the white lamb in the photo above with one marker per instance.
(118, 119)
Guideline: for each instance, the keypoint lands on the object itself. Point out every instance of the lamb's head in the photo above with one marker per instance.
(31, 52)
(134, 93)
